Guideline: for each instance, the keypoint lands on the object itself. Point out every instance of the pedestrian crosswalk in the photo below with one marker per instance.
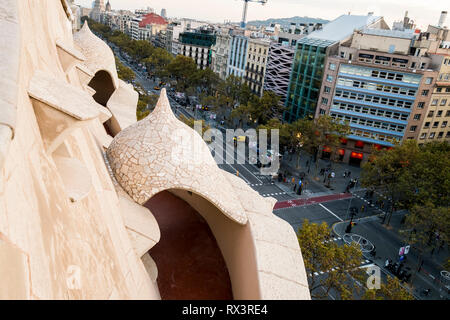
(259, 184)
(366, 201)
(274, 194)
(333, 239)
(364, 263)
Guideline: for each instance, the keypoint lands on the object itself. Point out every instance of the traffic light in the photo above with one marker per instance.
(348, 229)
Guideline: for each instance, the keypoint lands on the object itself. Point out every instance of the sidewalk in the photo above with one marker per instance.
(338, 183)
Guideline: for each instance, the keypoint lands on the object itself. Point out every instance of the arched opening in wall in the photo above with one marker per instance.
(103, 85)
(189, 261)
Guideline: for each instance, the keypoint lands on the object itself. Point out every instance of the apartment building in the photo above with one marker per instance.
(278, 69)
(174, 29)
(309, 61)
(237, 59)
(381, 86)
(221, 52)
(198, 45)
(435, 125)
(257, 55)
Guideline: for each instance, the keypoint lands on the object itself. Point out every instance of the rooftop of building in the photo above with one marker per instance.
(152, 18)
(343, 27)
(405, 34)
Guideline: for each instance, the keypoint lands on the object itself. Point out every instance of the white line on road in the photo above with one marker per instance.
(330, 211)
(251, 173)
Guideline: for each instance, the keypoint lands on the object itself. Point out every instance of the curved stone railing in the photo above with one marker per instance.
(9, 69)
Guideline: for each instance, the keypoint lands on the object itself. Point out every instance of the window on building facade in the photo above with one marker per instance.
(447, 113)
(436, 124)
(322, 111)
(434, 102)
(443, 102)
(417, 116)
(439, 113)
(420, 105)
(426, 125)
(430, 114)
(412, 128)
(423, 136)
(448, 134)
(431, 135)
(324, 101)
(444, 124)
(425, 92)
(439, 89)
(428, 80)
(440, 135)
(327, 89)
(329, 78)
(332, 66)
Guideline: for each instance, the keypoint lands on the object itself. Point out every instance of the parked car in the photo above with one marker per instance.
(156, 88)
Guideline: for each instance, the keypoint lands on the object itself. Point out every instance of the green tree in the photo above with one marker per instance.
(181, 68)
(427, 228)
(409, 175)
(245, 94)
(313, 135)
(123, 72)
(232, 88)
(158, 62)
(258, 111)
(339, 263)
(141, 49)
(146, 104)
(391, 290)
(206, 80)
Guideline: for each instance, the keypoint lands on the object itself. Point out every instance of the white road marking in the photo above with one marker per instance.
(330, 211)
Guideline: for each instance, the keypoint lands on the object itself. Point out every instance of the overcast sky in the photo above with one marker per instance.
(424, 12)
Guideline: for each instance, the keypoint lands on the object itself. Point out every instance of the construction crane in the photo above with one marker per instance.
(244, 14)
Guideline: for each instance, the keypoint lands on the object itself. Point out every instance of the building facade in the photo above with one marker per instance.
(278, 70)
(257, 55)
(382, 94)
(198, 46)
(221, 52)
(97, 10)
(237, 60)
(309, 62)
(436, 124)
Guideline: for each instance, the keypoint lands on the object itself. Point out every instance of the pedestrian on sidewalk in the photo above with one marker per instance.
(295, 187)
(349, 173)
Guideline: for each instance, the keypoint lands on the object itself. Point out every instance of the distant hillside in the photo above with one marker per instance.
(286, 21)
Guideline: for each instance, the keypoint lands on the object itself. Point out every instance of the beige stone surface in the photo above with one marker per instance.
(62, 96)
(142, 160)
(98, 55)
(71, 221)
(122, 105)
(141, 225)
(17, 285)
(160, 153)
(75, 176)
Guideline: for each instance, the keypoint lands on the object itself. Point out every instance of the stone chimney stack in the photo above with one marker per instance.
(442, 18)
